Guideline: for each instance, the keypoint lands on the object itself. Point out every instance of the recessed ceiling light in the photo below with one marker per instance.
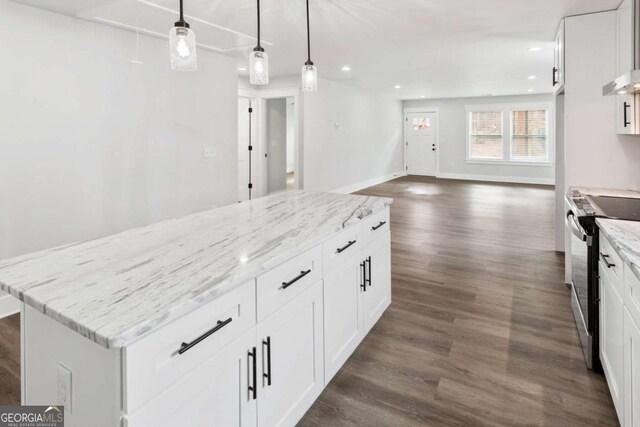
(530, 90)
(532, 77)
(423, 96)
(397, 86)
(242, 68)
(622, 92)
(534, 49)
(346, 68)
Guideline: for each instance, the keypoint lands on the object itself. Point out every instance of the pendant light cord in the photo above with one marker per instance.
(308, 38)
(258, 24)
(181, 12)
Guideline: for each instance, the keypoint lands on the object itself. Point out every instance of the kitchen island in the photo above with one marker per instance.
(235, 316)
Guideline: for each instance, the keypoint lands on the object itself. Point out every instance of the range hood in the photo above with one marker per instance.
(625, 84)
(629, 82)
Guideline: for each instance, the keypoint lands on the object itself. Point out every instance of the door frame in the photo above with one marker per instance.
(408, 110)
(251, 96)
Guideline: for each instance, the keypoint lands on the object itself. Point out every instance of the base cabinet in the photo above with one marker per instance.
(631, 371)
(378, 280)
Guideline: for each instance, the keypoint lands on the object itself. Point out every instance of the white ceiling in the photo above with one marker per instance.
(432, 48)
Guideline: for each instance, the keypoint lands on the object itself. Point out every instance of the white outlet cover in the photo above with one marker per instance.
(210, 152)
(65, 388)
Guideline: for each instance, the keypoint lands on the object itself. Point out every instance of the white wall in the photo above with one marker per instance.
(350, 137)
(92, 144)
(453, 136)
(291, 132)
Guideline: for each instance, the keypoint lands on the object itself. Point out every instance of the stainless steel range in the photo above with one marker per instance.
(581, 221)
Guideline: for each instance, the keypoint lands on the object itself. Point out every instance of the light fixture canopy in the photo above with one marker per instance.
(309, 70)
(182, 45)
(258, 61)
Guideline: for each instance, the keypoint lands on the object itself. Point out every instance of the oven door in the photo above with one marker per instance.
(580, 244)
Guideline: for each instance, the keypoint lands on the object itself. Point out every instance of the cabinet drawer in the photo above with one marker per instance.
(341, 247)
(632, 293)
(610, 260)
(285, 282)
(154, 362)
(375, 226)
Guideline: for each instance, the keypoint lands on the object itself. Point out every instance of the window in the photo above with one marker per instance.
(421, 124)
(516, 134)
(486, 135)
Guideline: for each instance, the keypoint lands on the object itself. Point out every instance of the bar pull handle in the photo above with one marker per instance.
(606, 261)
(363, 285)
(254, 388)
(345, 247)
(626, 118)
(267, 375)
(187, 346)
(555, 73)
(285, 285)
(380, 224)
(368, 278)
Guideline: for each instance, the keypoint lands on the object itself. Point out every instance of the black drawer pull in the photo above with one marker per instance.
(254, 388)
(285, 285)
(626, 120)
(374, 228)
(345, 247)
(267, 375)
(368, 279)
(184, 347)
(606, 261)
(363, 285)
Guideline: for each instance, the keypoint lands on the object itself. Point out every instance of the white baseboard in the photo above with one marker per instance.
(494, 178)
(8, 305)
(368, 183)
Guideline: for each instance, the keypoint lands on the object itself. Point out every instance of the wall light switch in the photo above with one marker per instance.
(64, 388)
(210, 152)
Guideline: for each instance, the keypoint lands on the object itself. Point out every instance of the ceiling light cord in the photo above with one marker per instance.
(258, 47)
(309, 62)
(181, 12)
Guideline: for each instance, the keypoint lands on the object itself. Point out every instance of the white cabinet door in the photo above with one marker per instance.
(558, 55)
(214, 394)
(343, 313)
(377, 296)
(611, 340)
(290, 357)
(631, 372)
(625, 41)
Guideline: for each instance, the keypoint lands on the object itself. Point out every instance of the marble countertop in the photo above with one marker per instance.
(114, 289)
(593, 191)
(625, 239)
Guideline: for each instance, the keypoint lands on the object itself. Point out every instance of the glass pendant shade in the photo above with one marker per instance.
(182, 45)
(309, 78)
(258, 68)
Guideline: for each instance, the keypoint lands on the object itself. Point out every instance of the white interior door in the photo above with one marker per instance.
(421, 141)
(276, 145)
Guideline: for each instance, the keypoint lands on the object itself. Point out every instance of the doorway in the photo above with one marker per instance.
(279, 149)
(421, 136)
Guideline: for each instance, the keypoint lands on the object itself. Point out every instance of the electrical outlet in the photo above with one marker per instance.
(210, 152)
(64, 388)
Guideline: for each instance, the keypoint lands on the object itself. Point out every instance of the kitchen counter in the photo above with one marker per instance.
(593, 191)
(114, 289)
(624, 236)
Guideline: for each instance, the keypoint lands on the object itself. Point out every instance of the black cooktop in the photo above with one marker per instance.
(616, 207)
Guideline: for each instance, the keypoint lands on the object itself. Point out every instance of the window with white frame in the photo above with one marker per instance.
(508, 133)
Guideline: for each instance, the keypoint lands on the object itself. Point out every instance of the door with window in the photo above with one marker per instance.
(421, 143)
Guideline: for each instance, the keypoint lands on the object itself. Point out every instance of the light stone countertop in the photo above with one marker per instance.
(114, 289)
(624, 236)
(593, 191)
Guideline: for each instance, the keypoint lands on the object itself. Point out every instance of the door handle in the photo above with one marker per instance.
(254, 388)
(363, 268)
(626, 120)
(606, 261)
(267, 375)
(555, 72)
(345, 247)
(380, 224)
(285, 285)
(187, 346)
(368, 279)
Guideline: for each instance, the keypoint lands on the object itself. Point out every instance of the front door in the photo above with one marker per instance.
(420, 131)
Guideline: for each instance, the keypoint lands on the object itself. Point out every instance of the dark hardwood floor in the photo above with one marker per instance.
(479, 332)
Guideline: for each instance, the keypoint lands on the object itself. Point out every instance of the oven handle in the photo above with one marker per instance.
(576, 229)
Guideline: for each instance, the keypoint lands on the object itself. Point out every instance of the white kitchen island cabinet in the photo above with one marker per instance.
(221, 318)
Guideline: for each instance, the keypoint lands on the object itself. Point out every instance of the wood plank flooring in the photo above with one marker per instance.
(480, 330)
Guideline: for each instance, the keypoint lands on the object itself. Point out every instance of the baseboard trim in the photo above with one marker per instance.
(368, 183)
(494, 178)
(8, 305)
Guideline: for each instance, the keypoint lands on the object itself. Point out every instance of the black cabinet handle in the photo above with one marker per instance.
(626, 120)
(254, 388)
(187, 346)
(267, 375)
(363, 285)
(555, 72)
(345, 247)
(285, 285)
(368, 279)
(374, 228)
(606, 261)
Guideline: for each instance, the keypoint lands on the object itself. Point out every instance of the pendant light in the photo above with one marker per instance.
(258, 61)
(182, 45)
(309, 71)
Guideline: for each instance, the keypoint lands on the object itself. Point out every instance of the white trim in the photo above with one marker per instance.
(368, 183)
(499, 162)
(497, 178)
(408, 110)
(8, 305)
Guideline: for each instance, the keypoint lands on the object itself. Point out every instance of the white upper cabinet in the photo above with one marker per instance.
(626, 105)
(558, 60)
